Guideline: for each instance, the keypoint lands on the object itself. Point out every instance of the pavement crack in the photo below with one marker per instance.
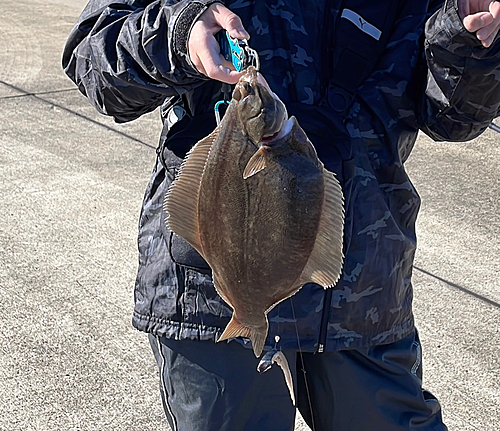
(462, 289)
(70, 111)
(26, 94)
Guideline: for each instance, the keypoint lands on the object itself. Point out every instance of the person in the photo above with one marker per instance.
(362, 78)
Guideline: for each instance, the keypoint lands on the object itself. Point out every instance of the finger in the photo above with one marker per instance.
(223, 73)
(226, 63)
(488, 33)
(487, 41)
(235, 28)
(485, 32)
(477, 21)
(230, 22)
(215, 66)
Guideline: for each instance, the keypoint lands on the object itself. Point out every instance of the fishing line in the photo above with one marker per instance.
(303, 368)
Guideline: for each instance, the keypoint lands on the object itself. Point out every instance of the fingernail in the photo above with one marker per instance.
(243, 34)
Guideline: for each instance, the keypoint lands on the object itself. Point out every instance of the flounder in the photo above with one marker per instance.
(258, 205)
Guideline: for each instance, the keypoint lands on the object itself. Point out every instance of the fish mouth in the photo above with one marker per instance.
(285, 129)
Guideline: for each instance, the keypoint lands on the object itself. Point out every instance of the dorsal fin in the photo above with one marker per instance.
(325, 262)
(181, 200)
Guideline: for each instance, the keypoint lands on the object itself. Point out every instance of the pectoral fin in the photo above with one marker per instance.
(256, 163)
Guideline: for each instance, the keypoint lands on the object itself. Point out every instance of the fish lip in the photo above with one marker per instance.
(285, 129)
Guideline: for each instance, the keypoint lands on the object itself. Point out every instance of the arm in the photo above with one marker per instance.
(126, 56)
(462, 95)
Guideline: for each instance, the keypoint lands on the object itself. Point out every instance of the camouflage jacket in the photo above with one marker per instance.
(362, 82)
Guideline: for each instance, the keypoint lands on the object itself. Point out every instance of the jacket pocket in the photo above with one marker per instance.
(178, 139)
(183, 253)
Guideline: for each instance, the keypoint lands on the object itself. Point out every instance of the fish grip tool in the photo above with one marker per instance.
(239, 53)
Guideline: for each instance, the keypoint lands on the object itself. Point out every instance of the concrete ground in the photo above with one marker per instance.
(71, 185)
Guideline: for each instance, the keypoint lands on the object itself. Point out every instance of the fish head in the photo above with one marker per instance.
(261, 113)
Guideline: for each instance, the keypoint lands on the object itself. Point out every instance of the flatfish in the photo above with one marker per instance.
(256, 202)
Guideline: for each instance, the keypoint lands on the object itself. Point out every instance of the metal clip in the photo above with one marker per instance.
(217, 110)
(226, 91)
(253, 57)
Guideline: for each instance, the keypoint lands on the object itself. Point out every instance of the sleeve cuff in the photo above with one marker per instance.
(183, 25)
(447, 24)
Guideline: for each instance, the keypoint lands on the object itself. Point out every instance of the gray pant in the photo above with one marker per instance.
(215, 387)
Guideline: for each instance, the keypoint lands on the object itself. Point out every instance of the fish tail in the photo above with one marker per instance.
(258, 337)
(257, 334)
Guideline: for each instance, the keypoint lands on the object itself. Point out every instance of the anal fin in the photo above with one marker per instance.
(325, 261)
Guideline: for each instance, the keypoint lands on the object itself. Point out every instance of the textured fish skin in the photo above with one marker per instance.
(255, 201)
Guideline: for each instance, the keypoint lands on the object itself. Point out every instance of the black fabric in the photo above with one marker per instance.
(357, 53)
(216, 387)
(207, 386)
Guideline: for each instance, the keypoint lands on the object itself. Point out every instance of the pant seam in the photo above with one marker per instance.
(163, 385)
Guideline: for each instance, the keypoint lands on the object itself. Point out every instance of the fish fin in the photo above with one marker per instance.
(280, 359)
(325, 262)
(181, 200)
(235, 329)
(256, 163)
(257, 335)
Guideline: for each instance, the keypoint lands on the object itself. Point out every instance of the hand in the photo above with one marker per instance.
(481, 17)
(204, 50)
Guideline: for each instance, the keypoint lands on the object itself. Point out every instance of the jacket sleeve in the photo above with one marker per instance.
(127, 56)
(462, 95)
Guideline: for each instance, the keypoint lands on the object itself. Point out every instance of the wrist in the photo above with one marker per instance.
(184, 23)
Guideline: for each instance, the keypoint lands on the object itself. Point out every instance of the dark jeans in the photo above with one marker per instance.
(215, 387)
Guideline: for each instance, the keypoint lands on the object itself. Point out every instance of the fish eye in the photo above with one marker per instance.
(237, 94)
(247, 87)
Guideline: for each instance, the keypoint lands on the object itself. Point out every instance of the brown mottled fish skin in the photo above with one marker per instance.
(267, 216)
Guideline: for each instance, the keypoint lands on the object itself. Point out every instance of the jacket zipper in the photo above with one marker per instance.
(325, 315)
(329, 44)
(329, 49)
